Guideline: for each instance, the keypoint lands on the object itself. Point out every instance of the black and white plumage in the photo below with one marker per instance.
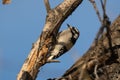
(65, 41)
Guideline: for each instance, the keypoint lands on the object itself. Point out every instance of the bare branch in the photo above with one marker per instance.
(98, 59)
(103, 7)
(105, 23)
(47, 5)
(96, 9)
(40, 51)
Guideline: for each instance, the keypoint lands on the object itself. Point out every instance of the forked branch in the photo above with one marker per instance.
(40, 50)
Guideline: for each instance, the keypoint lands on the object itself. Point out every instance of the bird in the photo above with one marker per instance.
(65, 40)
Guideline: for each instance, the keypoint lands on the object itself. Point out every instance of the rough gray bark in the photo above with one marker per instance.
(98, 63)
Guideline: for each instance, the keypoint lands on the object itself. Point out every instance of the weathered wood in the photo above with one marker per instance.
(98, 63)
(38, 54)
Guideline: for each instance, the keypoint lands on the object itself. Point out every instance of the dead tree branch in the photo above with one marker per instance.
(105, 22)
(98, 63)
(39, 52)
(96, 9)
(101, 61)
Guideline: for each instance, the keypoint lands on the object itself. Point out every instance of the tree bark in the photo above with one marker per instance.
(99, 63)
(39, 52)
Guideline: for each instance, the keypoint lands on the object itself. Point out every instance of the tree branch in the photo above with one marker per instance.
(98, 63)
(40, 50)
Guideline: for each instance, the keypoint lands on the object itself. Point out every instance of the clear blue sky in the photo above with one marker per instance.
(21, 23)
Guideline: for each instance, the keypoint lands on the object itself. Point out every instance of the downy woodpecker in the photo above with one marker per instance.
(65, 41)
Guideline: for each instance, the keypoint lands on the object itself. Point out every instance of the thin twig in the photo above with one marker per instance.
(47, 5)
(100, 19)
(105, 4)
(96, 9)
(95, 72)
(103, 7)
(106, 23)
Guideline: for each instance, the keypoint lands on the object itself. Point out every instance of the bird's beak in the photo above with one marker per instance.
(69, 26)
